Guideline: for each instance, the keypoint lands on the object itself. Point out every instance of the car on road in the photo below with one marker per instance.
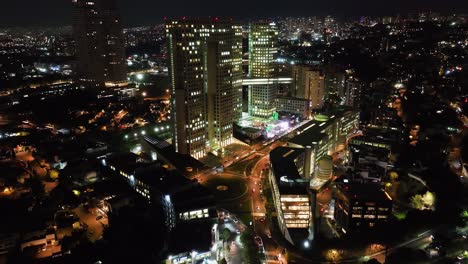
(238, 231)
(259, 241)
(99, 217)
(262, 219)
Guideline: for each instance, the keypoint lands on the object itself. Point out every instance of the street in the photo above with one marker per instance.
(94, 220)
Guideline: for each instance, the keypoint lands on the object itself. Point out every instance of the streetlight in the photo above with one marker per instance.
(306, 244)
(194, 254)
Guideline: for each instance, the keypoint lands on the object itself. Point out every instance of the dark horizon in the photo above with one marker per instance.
(144, 12)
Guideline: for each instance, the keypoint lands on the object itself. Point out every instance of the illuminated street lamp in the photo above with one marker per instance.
(193, 254)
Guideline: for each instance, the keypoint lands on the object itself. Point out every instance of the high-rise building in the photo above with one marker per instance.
(292, 105)
(263, 38)
(309, 84)
(334, 80)
(100, 50)
(206, 77)
(353, 92)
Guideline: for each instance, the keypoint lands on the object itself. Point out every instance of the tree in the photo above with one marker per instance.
(37, 187)
(428, 199)
(422, 202)
(416, 202)
(226, 234)
(251, 253)
(393, 175)
(53, 174)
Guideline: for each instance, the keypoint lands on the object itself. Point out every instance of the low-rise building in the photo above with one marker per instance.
(291, 105)
(43, 246)
(361, 206)
(8, 242)
(324, 135)
(197, 244)
(181, 199)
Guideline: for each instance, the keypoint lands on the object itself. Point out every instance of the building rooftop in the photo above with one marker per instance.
(198, 20)
(191, 236)
(292, 98)
(193, 196)
(156, 176)
(364, 192)
(185, 164)
(127, 162)
(286, 172)
(314, 131)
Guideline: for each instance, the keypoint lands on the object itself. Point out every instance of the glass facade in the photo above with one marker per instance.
(263, 38)
(296, 210)
(206, 80)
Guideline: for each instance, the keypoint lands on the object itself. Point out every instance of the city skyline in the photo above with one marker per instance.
(229, 134)
(144, 12)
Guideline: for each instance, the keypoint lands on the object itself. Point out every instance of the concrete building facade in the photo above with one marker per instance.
(206, 78)
(99, 43)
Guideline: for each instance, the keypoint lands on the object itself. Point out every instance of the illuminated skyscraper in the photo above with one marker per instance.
(263, 38)
(309, 84)
(206, 76)
(100, 51)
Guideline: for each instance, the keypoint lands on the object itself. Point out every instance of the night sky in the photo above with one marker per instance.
(143, 12)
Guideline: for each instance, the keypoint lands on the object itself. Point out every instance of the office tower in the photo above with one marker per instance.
(291, 193)
(206, 76)
(263, 38)
(309, 84)
(100, 51)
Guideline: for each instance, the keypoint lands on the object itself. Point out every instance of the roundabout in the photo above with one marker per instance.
(226, 188)
(222, 188)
